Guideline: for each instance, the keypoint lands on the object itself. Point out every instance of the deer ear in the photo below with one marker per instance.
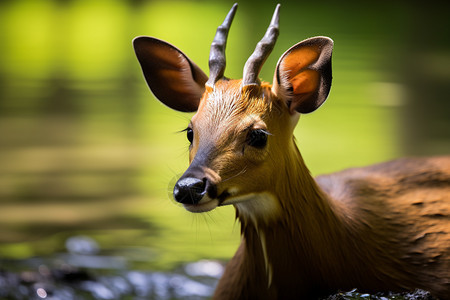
(172, 77)
(303, 75)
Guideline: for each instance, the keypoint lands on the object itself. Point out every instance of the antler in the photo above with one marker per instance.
(217, 60)
(263, 48)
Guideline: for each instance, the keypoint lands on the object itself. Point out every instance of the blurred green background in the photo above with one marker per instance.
(85, 149)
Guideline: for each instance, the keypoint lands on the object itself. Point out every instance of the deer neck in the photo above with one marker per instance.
(295, 225)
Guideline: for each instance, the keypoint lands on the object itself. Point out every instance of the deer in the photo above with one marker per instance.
(384, 227)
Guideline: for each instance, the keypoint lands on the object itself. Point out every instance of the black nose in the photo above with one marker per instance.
(189, 190)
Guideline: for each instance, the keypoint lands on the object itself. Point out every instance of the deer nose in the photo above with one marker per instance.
(189, 190)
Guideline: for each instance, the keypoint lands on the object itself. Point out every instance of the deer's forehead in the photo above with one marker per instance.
(227, 105)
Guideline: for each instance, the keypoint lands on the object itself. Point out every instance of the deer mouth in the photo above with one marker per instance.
(207, 203)
(204, 205)
(257, 203)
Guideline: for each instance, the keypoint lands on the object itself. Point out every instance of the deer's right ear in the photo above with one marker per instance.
(303, 75)
(172, 77)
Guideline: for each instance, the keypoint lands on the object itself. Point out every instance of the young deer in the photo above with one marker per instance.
(380, 228)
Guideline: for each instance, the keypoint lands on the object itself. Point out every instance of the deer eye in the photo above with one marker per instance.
(257, 138)
(190, 134)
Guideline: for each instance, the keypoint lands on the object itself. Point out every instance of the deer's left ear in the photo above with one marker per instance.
(303, 75)
(174, 79)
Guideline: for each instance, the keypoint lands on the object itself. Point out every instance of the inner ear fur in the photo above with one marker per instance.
(303, 75)
(172, 77)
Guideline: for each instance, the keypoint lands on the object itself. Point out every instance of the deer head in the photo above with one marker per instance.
(242, 130)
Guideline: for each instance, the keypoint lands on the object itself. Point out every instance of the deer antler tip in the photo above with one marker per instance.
(217, 59)
(263, 48)
(276, 16)
(231, 14)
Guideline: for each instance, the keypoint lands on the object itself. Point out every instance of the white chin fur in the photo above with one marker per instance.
(205, 205)
(256, 206)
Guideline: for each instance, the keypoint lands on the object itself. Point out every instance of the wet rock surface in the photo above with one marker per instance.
(72, 283)
(84, 273)
(354, 294)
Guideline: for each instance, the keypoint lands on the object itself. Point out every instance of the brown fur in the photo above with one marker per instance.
(378, 228)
